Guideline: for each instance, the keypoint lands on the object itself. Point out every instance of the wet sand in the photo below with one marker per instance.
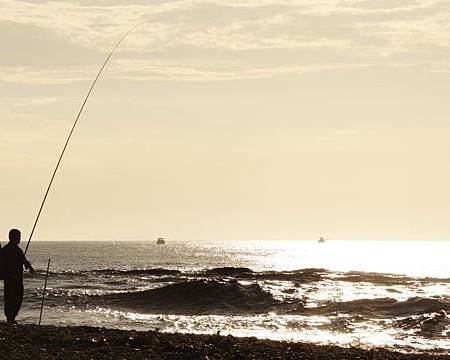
(51, 342)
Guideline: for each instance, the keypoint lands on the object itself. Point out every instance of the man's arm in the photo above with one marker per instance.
(26, 263)
(28, 266)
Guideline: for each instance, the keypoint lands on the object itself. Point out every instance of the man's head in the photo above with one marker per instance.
(14, 236)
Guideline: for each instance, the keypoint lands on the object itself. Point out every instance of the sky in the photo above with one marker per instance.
(216, 120)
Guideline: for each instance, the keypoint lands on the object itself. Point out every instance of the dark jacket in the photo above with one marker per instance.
(12, 261)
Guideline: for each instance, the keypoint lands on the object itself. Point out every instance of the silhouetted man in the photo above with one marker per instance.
(12, 261)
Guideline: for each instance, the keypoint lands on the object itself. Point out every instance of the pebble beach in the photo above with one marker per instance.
(52, 342)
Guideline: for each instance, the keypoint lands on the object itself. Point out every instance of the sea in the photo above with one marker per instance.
(391, 294)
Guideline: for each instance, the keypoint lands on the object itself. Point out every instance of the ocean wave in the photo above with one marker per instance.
(386, 279)
(384, 307)
(138, 272)
(298, 276)
(107, 272)
(307, 275)
(229, 271)
(302, 276)
(432, 325)
(195, 297)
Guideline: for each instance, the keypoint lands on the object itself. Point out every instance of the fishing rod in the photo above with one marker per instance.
(73, 128)
(43, 293)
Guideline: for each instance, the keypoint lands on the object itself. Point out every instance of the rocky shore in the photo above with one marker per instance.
(51, 342)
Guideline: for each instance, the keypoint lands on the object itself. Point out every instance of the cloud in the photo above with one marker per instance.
(28, 101)
(170, 24)
(143, 70)
(30, 75)
(139, 70)
(218, 39)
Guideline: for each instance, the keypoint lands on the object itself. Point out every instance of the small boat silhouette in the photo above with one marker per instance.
(321, 239)
(160, 241)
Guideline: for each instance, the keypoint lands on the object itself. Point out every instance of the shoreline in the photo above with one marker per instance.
(85, 342)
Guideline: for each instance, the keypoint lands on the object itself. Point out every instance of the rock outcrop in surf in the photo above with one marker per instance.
(195, 297)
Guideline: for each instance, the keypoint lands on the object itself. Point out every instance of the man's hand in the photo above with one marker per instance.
(29, 267)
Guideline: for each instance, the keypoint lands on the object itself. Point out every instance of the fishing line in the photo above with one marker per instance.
(75, 124)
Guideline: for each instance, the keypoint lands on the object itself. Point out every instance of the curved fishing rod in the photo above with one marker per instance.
(73, 128)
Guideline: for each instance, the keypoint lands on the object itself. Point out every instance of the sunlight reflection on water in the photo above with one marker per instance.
(73, 280)
(414, 258)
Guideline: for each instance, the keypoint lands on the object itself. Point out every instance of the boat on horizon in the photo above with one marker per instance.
(160, 241)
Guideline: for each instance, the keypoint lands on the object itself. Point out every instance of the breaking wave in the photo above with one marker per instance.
(301, 276)
(386, 279)
(195, 297)
(229, 271)
(138, 272)
(383, 308)
(427, 325)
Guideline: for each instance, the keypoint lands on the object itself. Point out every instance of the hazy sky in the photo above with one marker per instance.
(257, 119)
